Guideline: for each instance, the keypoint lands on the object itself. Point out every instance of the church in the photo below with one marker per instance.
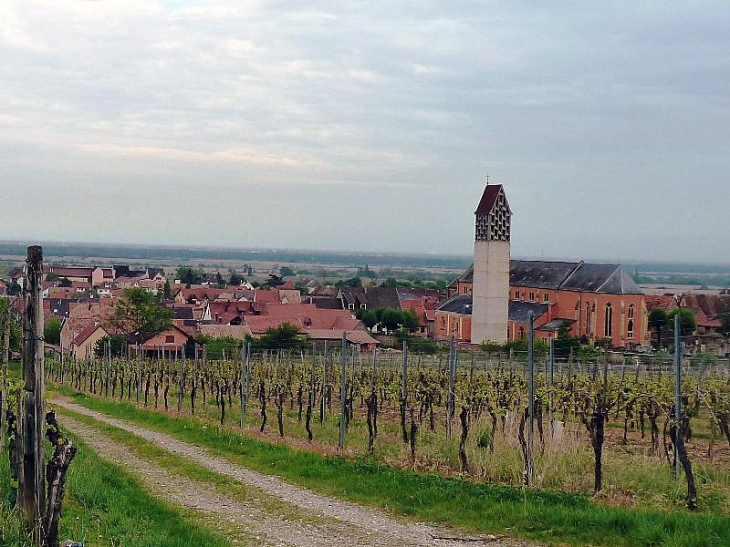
(492, 300)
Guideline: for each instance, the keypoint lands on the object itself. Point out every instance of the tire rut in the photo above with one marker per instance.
(351, 524)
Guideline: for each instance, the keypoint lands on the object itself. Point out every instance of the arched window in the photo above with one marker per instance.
(522, 333)
(630, 332)
(588, 319)
(631, 311)
(608, 324)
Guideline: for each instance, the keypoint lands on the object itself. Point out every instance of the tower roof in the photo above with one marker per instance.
(489, 198)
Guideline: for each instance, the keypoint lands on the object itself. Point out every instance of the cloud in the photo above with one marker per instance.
(570, 106)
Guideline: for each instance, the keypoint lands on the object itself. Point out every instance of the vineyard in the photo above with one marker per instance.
(606, 426)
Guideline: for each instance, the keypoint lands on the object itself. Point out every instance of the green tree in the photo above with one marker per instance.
(409, 320)
(138, 315)
(167, 290)
(368, 317)
(217, 347)
(657, 323)
(725, 323)
(285, 336)
(687, 320)
(286, 271)
(52, 276)
(391, 282)
(118, 345)
(234, 278)
(14, 289)
(52, 331)
(219, 280)
(189, 276)
(16, 328)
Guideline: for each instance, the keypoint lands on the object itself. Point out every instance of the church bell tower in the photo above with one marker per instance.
(490, 293)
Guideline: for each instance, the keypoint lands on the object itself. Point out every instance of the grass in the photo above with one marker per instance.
(107, 506)
(181, 466)
(549, 516)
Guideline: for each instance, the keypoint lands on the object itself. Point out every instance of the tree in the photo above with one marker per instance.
(274, 281)
(16, 328)
(285, 336)
(218, 347)
(52, 276)
(64, 282)
(725, 323)
(687, 320)
(14, 289)
(138, 315)
(118, 345)
(368, 317)
(657, 322)
(52, 331)
(391, 282)
(167, 290)
(286, 271)
(234, 278)
(189, 276)
(219, 281)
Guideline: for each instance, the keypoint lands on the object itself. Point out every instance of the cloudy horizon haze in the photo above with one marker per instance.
(368, 125)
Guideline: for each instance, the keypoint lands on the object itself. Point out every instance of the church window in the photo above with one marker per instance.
(631, 311)
(532, 296)
(630, 332)
(608, 324)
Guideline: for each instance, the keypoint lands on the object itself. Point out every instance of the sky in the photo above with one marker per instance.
(368, 125)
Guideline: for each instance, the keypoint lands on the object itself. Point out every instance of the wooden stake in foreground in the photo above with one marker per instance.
(31, 477)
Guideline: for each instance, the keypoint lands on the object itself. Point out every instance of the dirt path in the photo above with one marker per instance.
(335, 522)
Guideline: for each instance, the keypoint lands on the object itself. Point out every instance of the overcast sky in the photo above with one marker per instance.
(368, 125)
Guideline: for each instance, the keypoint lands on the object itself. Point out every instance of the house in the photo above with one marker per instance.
(174, 341)
(83, 344)
(356, 298)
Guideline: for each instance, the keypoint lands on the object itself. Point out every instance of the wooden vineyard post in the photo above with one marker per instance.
(451, 396)
(529, 463)
(139, 371)
(31, 479)
(551, 380)
(4, 359)
(677, 390)
(245, 373)
(343, 390)
(404, 392)
(323, 397)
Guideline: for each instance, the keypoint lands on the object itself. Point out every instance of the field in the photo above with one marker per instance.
(427, 413)
(441, 438)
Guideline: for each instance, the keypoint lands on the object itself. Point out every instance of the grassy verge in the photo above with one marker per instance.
(554, 517)
(181, 466)
(106, 506)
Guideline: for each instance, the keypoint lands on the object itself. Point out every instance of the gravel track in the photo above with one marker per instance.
(335, 522)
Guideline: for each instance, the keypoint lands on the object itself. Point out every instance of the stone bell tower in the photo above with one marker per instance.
(490, 293)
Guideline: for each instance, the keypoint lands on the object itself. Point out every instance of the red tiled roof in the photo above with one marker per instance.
(86, 332)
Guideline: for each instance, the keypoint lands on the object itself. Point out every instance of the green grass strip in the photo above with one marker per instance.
(178, 465)
(107, 506)
(554, 517)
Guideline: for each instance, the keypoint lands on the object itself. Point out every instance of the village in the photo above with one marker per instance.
(598, 303)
